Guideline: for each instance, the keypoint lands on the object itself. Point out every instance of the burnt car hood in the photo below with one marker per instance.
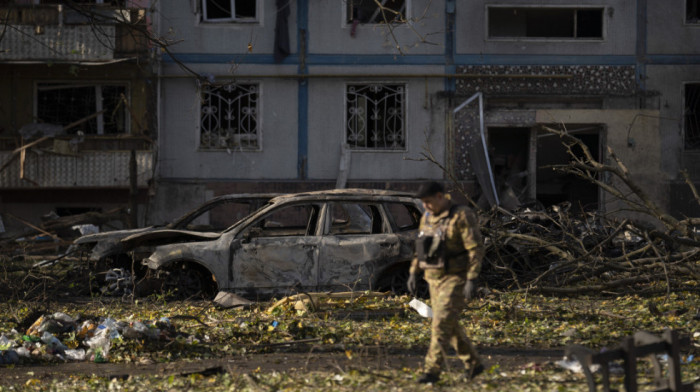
(114, 235)
(166, 236)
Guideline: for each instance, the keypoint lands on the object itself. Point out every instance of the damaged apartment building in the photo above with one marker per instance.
(295, 95)
(263, 95)
(77, 108)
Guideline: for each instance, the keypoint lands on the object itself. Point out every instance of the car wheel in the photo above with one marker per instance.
(188, 280)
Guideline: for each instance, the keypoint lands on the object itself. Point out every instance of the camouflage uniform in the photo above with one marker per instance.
(464, 250)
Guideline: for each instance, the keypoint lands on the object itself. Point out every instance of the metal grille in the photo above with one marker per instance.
(229, 117)
(692, 116)
(375, 116)
(90, 169)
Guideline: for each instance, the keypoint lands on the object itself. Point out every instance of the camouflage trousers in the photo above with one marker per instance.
(447, 301)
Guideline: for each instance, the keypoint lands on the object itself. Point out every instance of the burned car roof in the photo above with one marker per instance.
(110, 242)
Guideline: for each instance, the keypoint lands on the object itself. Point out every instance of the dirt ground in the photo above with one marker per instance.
(373, 358)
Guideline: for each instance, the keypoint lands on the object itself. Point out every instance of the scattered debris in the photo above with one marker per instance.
(230, 300)
(421, 307)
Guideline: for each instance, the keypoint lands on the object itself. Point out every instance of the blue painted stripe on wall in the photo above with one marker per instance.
(459, 59)
(303, 92)
(508, 59)
(673, 59)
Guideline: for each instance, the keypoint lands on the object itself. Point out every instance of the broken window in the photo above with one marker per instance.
(354, 218)
(220, 216)
(100, 106)
(692, 11)
(691, 114)
(229, 10)
(375, 116)
(374, 12)
(294, 220)
(229, 117)
(540, 22)
(406, 217)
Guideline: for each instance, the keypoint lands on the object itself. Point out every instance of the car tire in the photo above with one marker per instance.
(188, 280)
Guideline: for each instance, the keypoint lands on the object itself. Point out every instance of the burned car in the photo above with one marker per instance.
(215, 215)
(351, 239)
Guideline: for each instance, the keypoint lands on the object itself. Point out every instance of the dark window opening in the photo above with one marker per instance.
(508, 148)
(229, 10)
(367, 11)
(406, 217)
(526, 22)
(294, 220)
(554, 187)
(63, 104)
(354, 218)
(692, 11)
(692, 116)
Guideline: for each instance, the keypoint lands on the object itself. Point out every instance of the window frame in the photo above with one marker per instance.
(603, 37)
(684, 87)
(259, 118)
(232, 20)
(316, 214)
(344, 15)
(89, 83)
(344, 126)
(685, 15)
(375, 211)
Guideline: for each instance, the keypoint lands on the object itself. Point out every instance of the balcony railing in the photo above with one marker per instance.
(99, 163)
(56, 33)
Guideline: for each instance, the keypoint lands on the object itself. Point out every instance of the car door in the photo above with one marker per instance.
(357, 244)
(279, 251)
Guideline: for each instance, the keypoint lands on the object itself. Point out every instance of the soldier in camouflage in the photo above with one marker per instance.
(449, 250)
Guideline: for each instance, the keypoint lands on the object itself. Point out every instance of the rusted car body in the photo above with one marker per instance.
(355, 239)
(215, 215)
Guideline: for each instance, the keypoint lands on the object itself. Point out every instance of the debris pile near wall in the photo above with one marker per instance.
(559, 251)
(562, 251)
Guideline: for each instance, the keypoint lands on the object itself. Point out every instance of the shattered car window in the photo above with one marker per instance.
(218, 217)
(354, 218)
(405, 216)
(295, 220)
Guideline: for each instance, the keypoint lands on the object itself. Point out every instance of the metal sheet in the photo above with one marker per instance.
(73, 42)
(87, 169)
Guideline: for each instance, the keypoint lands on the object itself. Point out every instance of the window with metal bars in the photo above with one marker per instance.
(229, 117)
(375, 116)
(692, 116)
(64, 104)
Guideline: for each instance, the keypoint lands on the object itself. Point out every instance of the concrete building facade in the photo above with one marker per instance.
(619, 74)
(293, 95)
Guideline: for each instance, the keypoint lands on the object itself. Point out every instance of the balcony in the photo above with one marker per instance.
(56, 33)
(101, 162)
